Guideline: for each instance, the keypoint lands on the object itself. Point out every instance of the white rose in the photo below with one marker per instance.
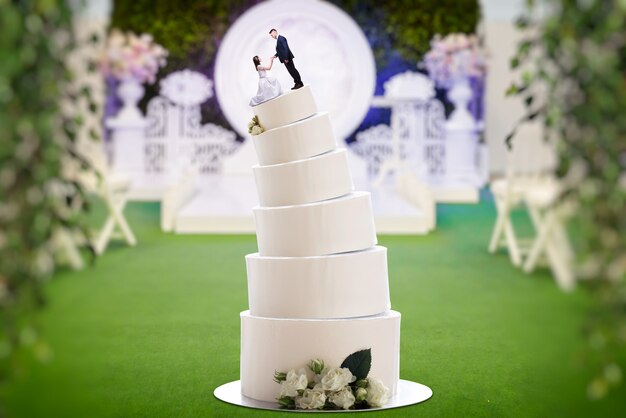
(335, 378)
(311, 399)
(377, 392)
(343, 399)
(294, 382)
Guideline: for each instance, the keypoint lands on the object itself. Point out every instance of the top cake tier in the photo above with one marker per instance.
(290, 107)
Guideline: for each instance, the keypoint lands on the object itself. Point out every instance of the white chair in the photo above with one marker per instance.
(527, 163)
(530, 184)
(507, 195)
(549, 217)
(114, 191)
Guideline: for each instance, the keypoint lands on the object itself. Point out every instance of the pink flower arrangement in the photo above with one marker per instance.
(130, 56)
(453, 56)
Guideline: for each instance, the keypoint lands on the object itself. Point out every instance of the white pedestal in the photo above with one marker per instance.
(461, 139)
(461, 148)
(128, 146)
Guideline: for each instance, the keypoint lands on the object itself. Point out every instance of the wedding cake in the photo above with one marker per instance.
(318, 286)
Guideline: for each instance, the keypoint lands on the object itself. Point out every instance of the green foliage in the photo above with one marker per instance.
(37, 201)
(193, 33)
(359, 363)
(407, 26)
(576, 56)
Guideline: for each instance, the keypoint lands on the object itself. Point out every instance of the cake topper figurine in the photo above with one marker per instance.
(284, 54)
(269, 87)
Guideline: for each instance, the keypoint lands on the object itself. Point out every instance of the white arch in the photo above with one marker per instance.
(331, 53)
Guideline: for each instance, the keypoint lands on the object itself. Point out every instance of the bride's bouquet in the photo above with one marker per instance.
(130, 56)
(454, 56)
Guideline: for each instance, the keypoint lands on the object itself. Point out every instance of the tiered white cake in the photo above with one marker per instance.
(318, 287)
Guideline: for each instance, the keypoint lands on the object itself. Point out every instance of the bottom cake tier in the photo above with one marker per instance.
(278, 344)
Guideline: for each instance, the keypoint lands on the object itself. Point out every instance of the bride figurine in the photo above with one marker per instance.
(269, 87)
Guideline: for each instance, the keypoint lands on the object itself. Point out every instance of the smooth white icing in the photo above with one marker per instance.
(290, 107)
(333, 286)
(318, 287)
(303, 139)
(321, 228)
(305, 181)
(269, 344)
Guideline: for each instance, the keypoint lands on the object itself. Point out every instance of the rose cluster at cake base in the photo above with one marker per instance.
(344, 387)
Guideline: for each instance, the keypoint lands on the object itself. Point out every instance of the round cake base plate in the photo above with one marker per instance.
(409, 393)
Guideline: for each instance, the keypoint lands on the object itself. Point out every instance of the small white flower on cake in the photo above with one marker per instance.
(335, 378)
(311, 399)
(377, 392)
(316, 366)
(294, 382)
(360, 395)
(343, 399)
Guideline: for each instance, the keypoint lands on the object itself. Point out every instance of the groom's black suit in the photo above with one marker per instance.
(284, 54)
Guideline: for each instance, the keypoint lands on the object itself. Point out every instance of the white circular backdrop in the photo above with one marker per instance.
(331, 53)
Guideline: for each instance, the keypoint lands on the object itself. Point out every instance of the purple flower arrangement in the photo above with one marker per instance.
(130, 56)
(454, 56)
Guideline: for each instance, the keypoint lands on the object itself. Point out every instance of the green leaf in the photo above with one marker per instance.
(533, 115)
(93, 135)
(94, 38)
(528, 77)
(512, 90)
(508, 140)
(529, 100)
(92, 66)
(524, 47)
(361, 383)
(522, 22)
(287, 402)
(86, 91)
(359, 363)
(279, 376)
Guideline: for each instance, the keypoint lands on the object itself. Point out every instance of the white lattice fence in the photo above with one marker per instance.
(415, 138)
(176, 137)
(421, 137)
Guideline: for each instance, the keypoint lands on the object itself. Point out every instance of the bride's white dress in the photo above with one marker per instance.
(269, 88)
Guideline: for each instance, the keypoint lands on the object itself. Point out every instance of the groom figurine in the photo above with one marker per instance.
(286, 57)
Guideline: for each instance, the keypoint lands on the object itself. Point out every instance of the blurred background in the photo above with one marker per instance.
(489, 134)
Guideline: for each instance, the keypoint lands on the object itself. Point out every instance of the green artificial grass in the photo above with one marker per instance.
(151, 331)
